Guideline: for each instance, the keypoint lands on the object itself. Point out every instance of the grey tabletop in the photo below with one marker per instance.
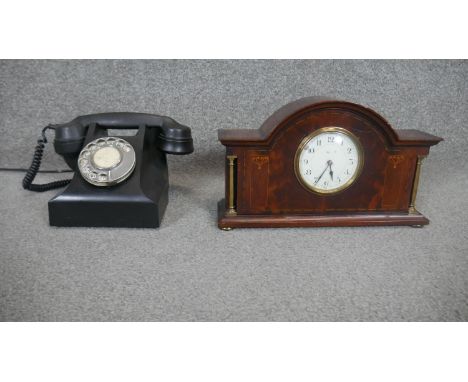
(188, 269)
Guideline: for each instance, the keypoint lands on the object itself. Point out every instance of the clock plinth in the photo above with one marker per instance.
(228, 222)
(322, 163)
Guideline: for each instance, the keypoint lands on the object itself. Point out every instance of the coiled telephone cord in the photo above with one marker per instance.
(34, 168)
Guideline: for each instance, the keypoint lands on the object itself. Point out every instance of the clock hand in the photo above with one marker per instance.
(323, 172)
(331, 171)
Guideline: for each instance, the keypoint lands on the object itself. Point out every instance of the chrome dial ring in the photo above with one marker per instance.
(106, 161)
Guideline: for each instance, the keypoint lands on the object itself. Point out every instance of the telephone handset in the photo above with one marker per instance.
(120, 181)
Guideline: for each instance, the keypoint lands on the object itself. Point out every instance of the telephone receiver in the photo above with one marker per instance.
(171, 137)
(120, 181)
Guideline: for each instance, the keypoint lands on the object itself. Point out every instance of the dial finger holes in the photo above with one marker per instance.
(106, 161)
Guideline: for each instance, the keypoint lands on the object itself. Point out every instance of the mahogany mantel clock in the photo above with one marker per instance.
(320, 162)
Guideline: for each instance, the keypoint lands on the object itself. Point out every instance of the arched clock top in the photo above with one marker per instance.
(282, 117)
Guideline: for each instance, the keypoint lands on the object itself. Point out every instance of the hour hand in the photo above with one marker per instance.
(331, 172)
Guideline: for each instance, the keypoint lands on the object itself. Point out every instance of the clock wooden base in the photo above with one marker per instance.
(227, 221)
(318, 162)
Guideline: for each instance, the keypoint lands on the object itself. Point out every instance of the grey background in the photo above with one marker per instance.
(188, 269)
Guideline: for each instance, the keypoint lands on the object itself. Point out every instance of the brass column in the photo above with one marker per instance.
(231, 204)
(412, 208)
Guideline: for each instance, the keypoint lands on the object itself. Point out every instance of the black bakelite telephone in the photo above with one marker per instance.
(120, 181)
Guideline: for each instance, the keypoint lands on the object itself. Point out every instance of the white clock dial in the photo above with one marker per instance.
(329, 160)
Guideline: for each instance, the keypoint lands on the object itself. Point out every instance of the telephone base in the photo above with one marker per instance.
(78, 209)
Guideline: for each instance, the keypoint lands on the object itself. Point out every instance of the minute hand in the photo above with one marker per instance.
(323, 172)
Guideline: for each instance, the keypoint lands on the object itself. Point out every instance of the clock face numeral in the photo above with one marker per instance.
(329, 161)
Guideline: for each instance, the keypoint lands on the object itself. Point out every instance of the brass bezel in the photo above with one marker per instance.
(308, 138)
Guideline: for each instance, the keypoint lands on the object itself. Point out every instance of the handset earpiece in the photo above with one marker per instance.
(69, 137)
(69, 140)
(175, 138)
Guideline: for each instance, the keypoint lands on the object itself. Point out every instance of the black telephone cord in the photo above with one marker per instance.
(17, 169)
(34, 168)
